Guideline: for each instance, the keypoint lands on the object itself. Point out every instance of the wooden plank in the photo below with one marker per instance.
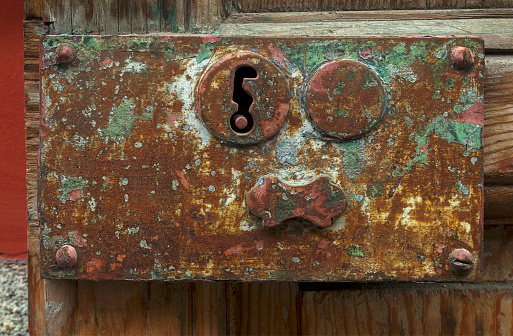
(33, 9)
(82, 17)
(260, 6)
(263, 308)
(36, 290)
(382, 15)
(138, 17)
(106, 16)
(153, 16)
(498, 131)
(205, 15)
(497, 32)
(58, 15)
(208, 308)
(173, 14)
(169, 308)
(110, 307)
(124, 17)
(409, 309)
(498, 203)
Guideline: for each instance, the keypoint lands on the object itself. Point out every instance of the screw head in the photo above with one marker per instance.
(462, 58)
(241, 122)
(65, 53)
(66, 256)
(461, 261)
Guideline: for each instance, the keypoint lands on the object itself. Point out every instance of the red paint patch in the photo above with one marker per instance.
(106, 62)
(75, 194)
(424, 148)
(183, 180)
(473, 115)
(278, 55)
(210, 38)
(237, 249)
(439, 248)
(108, 180)
(171, 119)
(259, 244)
(365, 54)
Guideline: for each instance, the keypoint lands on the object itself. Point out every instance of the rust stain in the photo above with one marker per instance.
(148, 171)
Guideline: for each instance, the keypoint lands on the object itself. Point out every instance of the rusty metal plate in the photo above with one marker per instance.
(214, 157)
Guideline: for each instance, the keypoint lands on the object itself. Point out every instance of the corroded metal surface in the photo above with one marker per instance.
(276, 201)
(146, 165)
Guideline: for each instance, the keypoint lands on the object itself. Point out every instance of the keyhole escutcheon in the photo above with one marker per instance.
(242, 121)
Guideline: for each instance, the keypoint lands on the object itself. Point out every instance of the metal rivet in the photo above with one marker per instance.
(65, 53)
(462, 58)
(241, 122)
(66, 256)
(461, 261)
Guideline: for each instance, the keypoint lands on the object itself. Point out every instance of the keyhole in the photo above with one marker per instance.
(242, 121)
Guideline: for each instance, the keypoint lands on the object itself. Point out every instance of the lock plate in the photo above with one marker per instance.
(230, 158)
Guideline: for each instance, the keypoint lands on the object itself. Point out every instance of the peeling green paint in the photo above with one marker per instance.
(355, 251)
(69, 184)
(377, 188)
(354, 157)
(122, 119)
(462, 188)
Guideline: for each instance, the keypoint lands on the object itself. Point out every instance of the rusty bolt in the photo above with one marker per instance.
(66, 256)
(65, 53)
(462, 58)
(461, 261)
(241, 122)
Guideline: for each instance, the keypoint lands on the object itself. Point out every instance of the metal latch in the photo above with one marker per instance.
(231, 158)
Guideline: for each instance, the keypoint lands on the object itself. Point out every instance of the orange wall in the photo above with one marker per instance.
(13, 192)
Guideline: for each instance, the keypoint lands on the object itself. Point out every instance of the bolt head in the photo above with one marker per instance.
(461, 261)
(66, 256)
(241, 122)
(462, 58)
(65, 53)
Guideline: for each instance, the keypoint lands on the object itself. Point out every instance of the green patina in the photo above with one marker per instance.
(355, 251)
(462, 188)
(337, 90)
(449, 84)
(69, 184)
(121, 121)
(171, 20)
(354, 157)
(205, 51)
(377, 188)
(369, 81)
(340, 113)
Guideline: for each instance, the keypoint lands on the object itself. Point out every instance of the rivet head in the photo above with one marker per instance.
(66, 256)
(241, 122)
(461, 261)
(462, 58)
(65, 53)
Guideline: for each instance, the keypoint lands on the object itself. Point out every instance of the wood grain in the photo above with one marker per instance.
(498, 131)
(382, 15)
(255, 6)
(419, 309)
(497, 32)
(127, 16)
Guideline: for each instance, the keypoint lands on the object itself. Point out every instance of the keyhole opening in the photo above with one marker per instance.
(242, 121)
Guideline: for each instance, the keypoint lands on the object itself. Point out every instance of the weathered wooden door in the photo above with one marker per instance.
(69, 307)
